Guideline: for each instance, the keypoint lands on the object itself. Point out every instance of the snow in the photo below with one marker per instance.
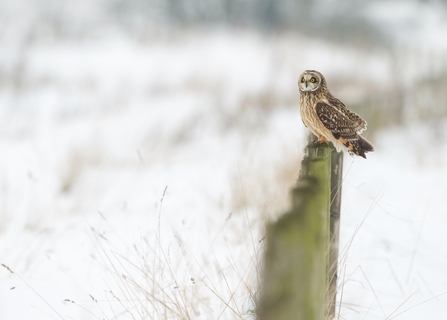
(399, 211)
(137, 178)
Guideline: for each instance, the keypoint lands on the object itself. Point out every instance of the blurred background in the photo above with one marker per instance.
(146, 143)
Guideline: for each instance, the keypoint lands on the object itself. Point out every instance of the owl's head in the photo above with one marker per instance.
(311, 80)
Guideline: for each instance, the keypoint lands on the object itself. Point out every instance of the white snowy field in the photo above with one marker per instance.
(136, 179)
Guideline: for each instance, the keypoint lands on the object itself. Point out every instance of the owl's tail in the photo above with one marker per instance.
(360, 146)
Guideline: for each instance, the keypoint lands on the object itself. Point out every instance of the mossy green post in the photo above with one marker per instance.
(296, 277)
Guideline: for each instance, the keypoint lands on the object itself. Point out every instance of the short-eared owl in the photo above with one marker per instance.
(328, 118)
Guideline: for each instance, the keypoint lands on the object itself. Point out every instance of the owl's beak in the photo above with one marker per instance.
(307, 82)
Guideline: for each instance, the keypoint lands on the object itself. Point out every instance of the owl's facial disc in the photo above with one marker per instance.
(309, 81)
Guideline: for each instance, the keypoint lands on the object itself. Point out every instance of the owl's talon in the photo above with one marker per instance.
(319, 142)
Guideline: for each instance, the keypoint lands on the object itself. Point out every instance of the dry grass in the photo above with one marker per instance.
(155, 279)
(158, 280)
(152, 279)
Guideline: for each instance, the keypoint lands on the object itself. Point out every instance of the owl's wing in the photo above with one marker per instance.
(339, 120)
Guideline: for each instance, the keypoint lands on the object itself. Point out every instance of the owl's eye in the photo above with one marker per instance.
(313, 80)
(302, 79)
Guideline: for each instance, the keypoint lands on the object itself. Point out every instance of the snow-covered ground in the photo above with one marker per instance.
(393, 228)
(136, 179)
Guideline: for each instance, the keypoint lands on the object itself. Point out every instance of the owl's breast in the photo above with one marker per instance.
(308, 112)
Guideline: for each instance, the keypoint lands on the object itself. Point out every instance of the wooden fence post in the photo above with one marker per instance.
(295, 280)
(336, 183)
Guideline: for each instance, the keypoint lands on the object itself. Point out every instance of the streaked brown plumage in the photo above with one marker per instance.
(328, 118)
